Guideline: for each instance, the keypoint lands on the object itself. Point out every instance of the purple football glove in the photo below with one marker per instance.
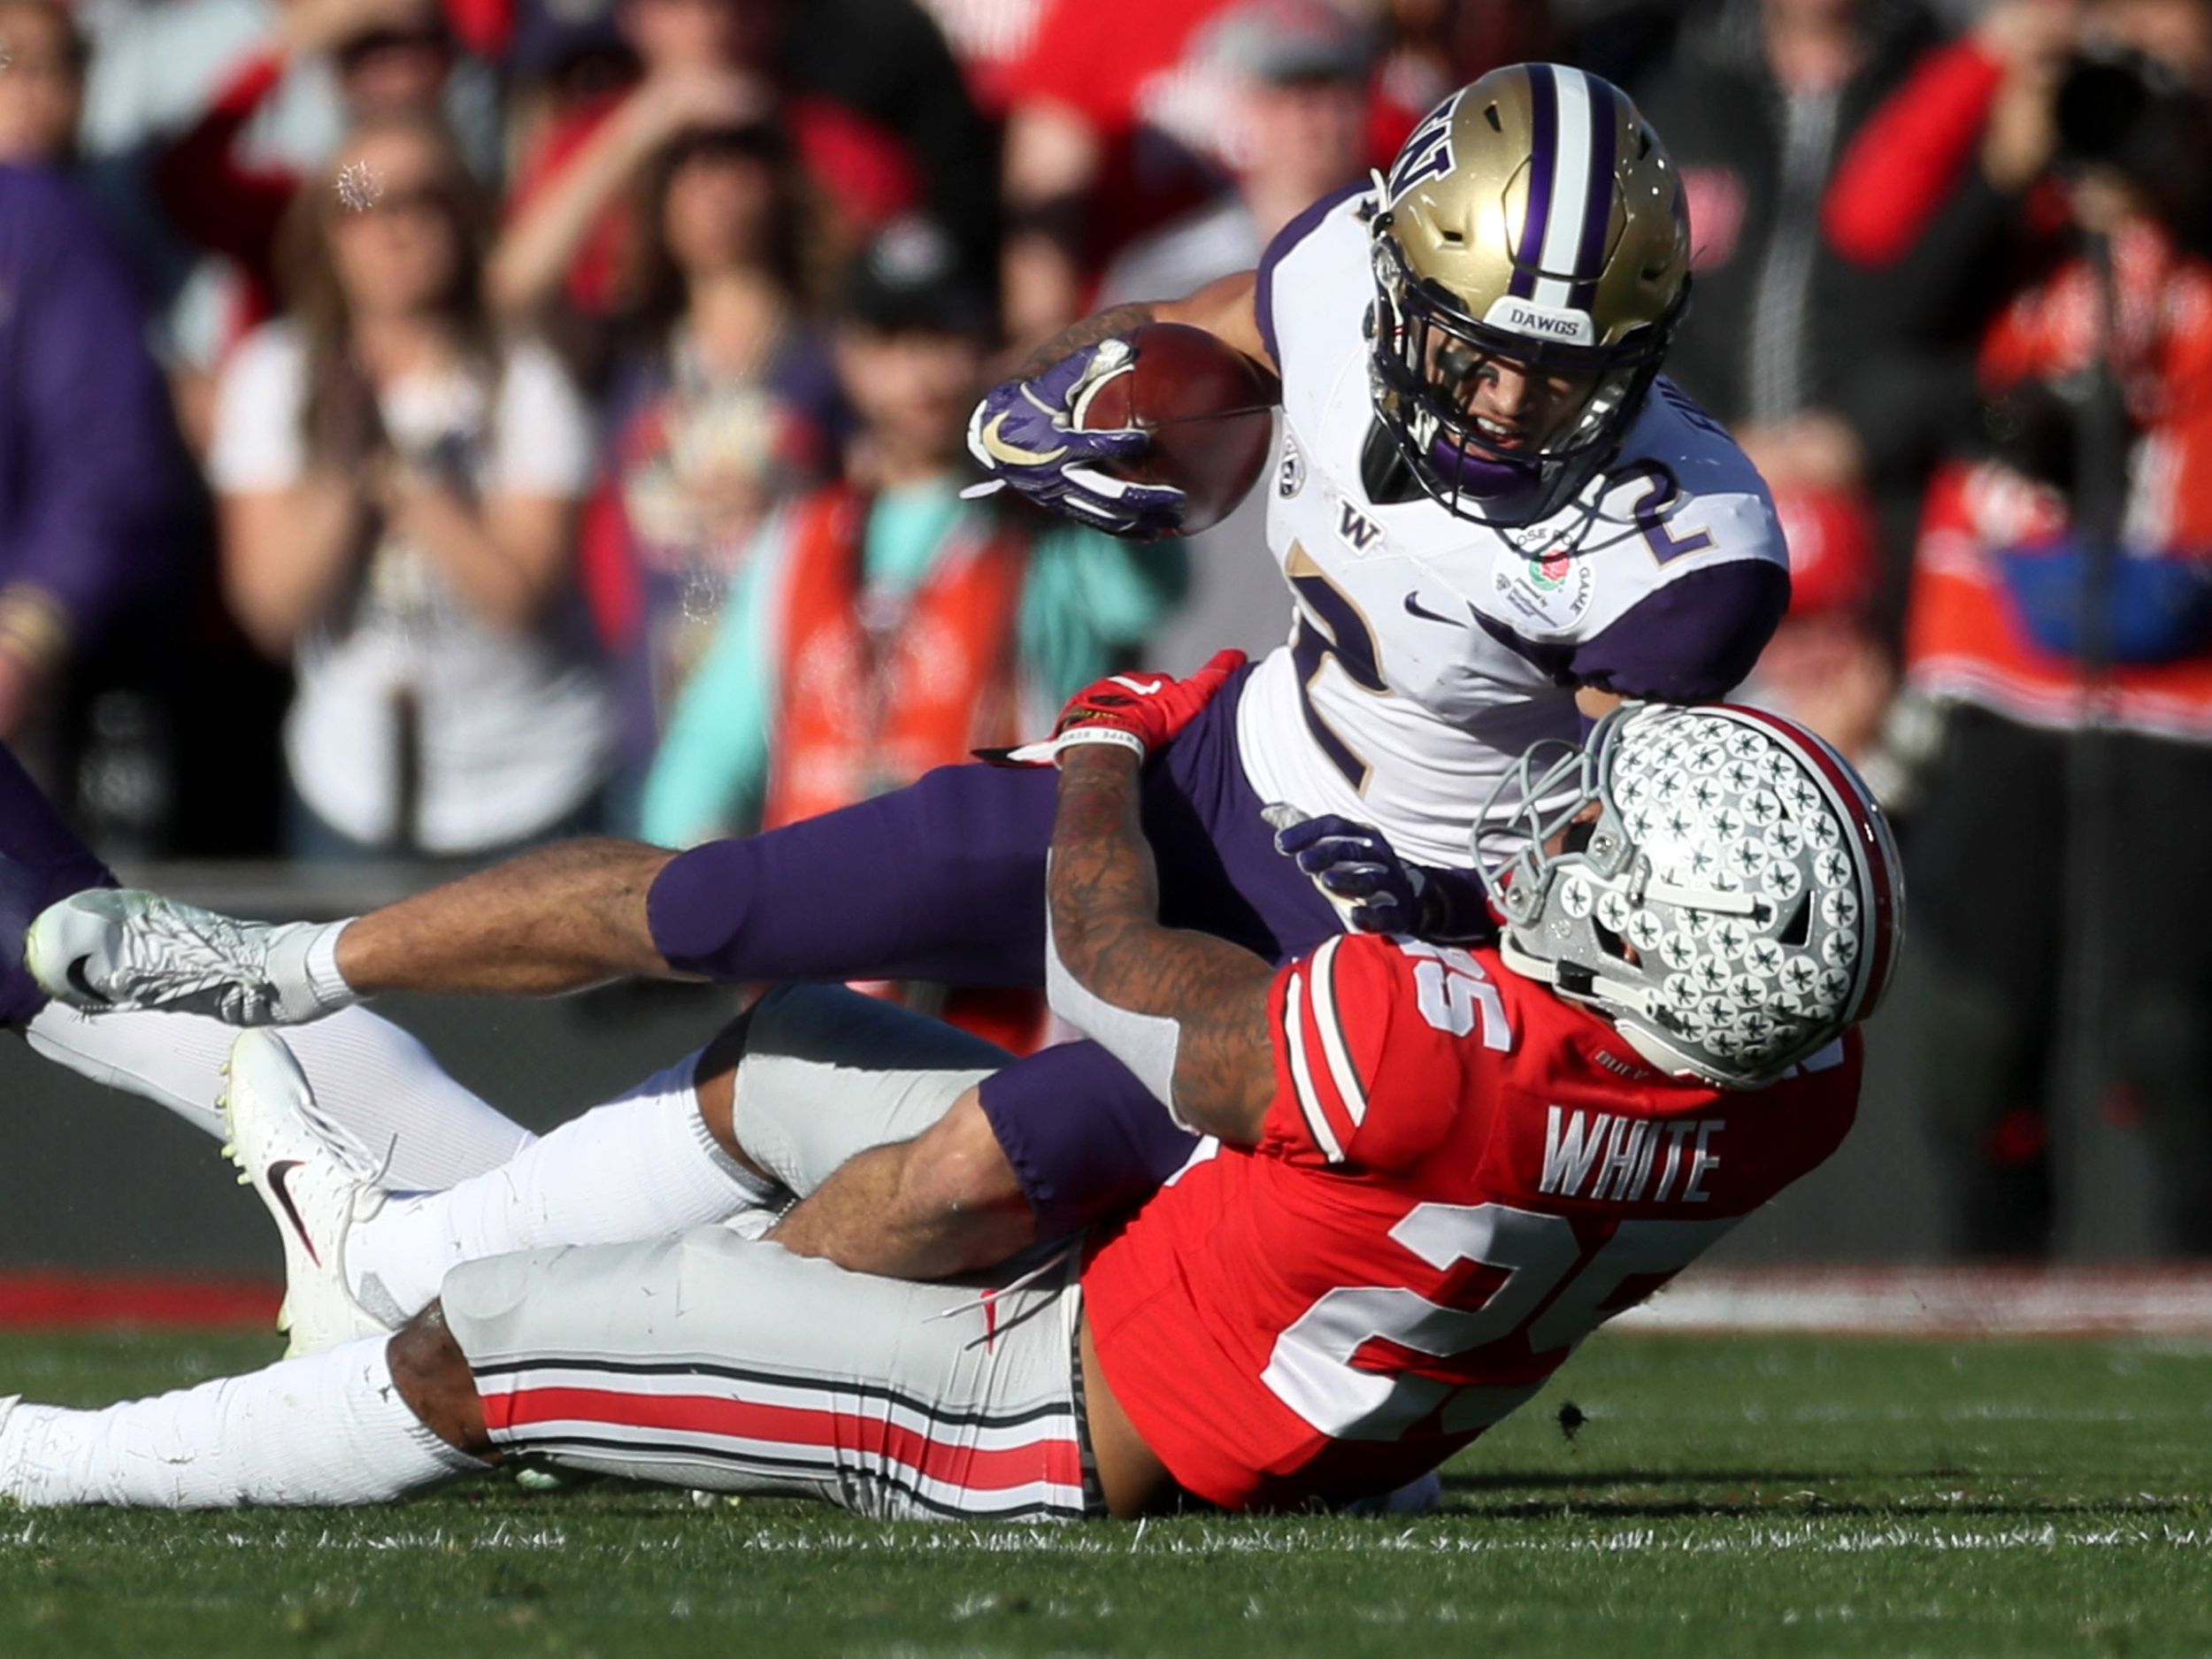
(1024, 433)
(1374, 889)
(1357, 871)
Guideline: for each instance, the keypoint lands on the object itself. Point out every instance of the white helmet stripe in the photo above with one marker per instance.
(1569, 189)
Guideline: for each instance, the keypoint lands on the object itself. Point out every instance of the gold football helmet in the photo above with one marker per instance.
(1533, 216)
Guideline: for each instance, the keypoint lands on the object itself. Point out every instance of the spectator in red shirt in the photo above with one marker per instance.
(1977, 111)
(2061, 639)
(1952, 192)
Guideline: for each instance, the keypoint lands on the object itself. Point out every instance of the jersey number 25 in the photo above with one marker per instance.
(1552, 1293)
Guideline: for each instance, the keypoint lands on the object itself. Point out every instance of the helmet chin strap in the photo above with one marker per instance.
(1599, 990)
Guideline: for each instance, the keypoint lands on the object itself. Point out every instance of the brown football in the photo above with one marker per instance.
(1210, 410)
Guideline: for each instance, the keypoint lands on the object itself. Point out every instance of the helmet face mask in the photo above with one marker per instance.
(1426, 356)
(1738, 901)
(1466, 274)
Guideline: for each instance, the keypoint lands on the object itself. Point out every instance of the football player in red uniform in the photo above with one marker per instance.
(1440, 1170)
(1427, 1174)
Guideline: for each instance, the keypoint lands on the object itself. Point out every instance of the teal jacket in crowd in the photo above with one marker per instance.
(1088, 605)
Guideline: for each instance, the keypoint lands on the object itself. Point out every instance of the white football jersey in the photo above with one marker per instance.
(1427, 653)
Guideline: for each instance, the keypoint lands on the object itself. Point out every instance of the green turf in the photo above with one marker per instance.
(1724, 1497)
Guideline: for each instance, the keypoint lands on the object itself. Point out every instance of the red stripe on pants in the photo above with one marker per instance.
(1052, 1456)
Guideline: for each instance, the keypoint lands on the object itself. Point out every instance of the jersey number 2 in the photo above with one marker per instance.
(1330, 626)
(1551, 1292)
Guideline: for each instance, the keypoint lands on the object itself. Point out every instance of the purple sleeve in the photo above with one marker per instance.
(1462, 908)
(1285, 239)
(1692, 641)
(84, 418)
(943, 879)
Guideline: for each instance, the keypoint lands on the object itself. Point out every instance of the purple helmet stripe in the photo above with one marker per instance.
(1597, 200)
(1543, 97)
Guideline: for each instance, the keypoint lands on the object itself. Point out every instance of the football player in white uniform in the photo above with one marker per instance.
(1486, 501)
(1494, 519)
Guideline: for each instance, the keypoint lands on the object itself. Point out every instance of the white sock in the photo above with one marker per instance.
(369, 1076)
(640, 1167)
(328, 1428)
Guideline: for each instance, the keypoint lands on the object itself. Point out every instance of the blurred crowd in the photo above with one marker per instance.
(431, 425)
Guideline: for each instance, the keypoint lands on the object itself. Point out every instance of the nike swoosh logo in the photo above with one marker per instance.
(1415, 608)
(81, 983)
(279, 1172)
(1139, 686)
(1002, 450)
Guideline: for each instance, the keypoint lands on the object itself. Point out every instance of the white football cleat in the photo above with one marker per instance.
(314, 1194)
(123, 948)
(11, 1481)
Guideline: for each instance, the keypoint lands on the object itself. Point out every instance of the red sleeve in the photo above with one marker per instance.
(1369, 1068)
(1096, 58)
(556, 144)
(1060, 53)
(1910, 155)
(486, 27)
(860, 165)
(594, 274)
(217, 203)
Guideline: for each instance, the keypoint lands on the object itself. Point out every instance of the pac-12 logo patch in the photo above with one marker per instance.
(1290, 471)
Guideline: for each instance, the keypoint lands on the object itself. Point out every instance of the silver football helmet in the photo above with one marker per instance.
(1716, 880)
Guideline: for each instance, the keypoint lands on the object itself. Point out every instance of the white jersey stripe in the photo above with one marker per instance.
(1321, 983)
(1301, 1073)
(1569, 189)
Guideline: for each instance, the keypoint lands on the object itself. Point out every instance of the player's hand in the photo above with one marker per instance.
(120, 948)
(1024, 433)
(1357, 869)
(1139, 712)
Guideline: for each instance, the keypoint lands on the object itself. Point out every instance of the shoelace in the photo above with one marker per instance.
(207, 955)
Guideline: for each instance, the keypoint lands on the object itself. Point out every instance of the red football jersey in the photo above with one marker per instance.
(1460, 1178)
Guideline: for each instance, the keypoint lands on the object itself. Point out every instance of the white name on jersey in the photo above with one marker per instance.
(1623, 1152)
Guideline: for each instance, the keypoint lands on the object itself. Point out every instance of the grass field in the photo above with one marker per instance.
(1724, 1496)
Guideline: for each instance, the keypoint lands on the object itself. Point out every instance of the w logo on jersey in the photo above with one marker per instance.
(1355, 529)
(1427, 154)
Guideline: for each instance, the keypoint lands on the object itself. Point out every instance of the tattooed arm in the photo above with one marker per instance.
(1223, 308)
(1191, 1010)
